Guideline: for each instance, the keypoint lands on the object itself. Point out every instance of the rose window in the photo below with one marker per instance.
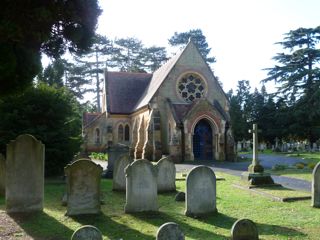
(191, 87)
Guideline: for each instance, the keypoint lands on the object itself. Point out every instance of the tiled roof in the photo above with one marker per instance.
(158, 77)
(88, 118)
(124, 89)
(181, 110)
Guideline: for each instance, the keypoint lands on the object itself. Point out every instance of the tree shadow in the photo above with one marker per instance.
(41, 226)
(111, 228)
(159, 218)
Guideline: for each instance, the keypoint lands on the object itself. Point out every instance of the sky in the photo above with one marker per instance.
(241, 33)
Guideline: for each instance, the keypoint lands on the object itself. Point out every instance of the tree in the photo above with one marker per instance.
(52, 115)
(93, 63)
(128, 55)
(298, 74)
(154, 57)
(198, 38)
(29, 28)
(53, 73)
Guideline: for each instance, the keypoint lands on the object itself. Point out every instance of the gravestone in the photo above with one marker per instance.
(170, 231)
(166, 178)
(24, 175)
(315, 199)
(119, 177)
(200, 191)
(244, 229)
(141, 187)
(2, 175)
(114, 153)
(87, 232)
(83, 187)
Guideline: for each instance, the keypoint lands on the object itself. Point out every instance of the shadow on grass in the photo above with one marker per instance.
(159, 218)
(41, 226)
(111, 228)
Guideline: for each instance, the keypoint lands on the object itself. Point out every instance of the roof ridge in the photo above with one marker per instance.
(158, 77)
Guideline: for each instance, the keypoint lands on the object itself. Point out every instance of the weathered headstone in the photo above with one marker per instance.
(141, 187)
(119, 176)
(114, 152)
(87, 232)
(83, 187)
(244, 229)
(166, 178)
(2, 175)
(25, 175)
(200, 191)
(170, 231)
(315, 199)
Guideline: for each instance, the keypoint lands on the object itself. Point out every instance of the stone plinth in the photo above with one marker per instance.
(257, 178)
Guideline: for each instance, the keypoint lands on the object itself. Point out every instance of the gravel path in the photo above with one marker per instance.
(267, 161)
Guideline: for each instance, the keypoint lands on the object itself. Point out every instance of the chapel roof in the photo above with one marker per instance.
(88, 118)
(128, 92)
(124, 90)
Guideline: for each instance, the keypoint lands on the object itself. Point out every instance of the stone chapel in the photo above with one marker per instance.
(180, 110)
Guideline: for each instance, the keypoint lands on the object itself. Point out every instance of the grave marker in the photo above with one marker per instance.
(24, 175)
(315, 199)
(2, 175)
(141, 187)
(87, 232)
(244, 229)
(83, 187)
(170, 231)
(200, 191)
(166, 178)
(119, 177)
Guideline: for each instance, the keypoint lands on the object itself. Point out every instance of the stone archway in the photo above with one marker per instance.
(203, 140)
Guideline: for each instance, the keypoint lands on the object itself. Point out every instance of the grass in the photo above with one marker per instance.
(304, 173)
(275, 220)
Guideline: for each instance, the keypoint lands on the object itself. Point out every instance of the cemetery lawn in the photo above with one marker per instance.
(304, 173)
(275, 220)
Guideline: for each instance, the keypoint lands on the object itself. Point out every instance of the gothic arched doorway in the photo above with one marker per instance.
(202, 141)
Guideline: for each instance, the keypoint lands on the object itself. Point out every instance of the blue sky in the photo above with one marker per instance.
(241, 33)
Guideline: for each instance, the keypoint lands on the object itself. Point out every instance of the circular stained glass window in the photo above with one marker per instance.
(191, 87)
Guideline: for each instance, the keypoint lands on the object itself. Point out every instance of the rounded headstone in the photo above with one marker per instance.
(87, 232)
(170, 231)
(244, 229)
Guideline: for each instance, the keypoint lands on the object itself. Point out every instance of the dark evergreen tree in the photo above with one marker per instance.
(298, 74)
(52, 115)
(128, 55)
(29, 28)
(181, 39)
(154, 57)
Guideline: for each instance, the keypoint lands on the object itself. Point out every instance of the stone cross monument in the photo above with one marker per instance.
(255, 175)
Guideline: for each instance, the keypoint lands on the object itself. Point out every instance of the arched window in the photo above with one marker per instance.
(127, 133)
(120, 133)
(97, 135)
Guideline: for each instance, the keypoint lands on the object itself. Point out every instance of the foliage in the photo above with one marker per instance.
(197, 37)
(115, 224)
(298, 74)
(29, 28)
(299, 165)
(50, 114)
(99, 156)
